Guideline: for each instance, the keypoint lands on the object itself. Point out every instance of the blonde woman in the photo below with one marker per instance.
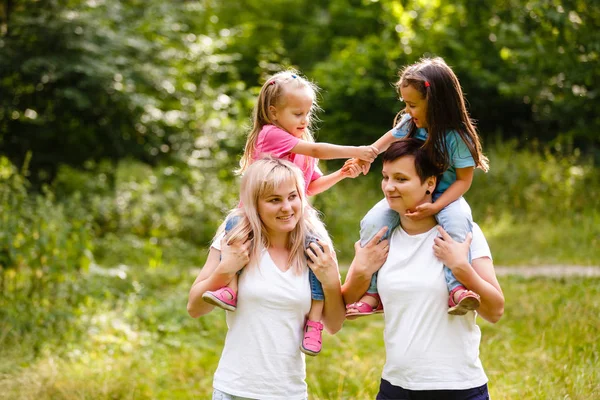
(282, 119)
(261, 358)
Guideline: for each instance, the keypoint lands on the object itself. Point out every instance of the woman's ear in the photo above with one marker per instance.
(431, 182)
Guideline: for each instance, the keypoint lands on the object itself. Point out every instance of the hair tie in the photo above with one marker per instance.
(272, 83)
(294, 76)
(427, 84)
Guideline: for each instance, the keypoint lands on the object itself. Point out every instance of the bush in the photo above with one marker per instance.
(44, 247)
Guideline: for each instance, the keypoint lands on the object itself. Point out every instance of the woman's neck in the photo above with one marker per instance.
(413, 227)
(279, 241)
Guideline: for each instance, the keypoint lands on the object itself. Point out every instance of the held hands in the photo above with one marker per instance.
(235, 255)
(323, 262)
(453, 254)
(363, 165)
(351, 170)
(367, 153)
(422, 211)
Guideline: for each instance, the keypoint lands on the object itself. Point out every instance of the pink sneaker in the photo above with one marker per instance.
(311, 344)
(220, 298)
(467, 301)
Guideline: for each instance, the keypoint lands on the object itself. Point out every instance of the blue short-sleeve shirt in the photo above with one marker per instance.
(458, 152)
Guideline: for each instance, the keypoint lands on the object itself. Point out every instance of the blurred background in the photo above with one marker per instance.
(121, 123)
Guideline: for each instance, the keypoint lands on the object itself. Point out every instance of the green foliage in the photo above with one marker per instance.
(150, 215)
(156, 81)
(108, 80)
(44, 249)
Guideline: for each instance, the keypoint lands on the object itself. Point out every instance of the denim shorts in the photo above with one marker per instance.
(387, 391)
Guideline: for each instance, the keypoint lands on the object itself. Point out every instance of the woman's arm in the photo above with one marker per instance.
(325, 182)
(367, 260)
(327, 151)
(479, 276)
(220, 268)
(323, 262)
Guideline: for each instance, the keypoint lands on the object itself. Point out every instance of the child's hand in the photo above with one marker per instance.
(364, 165)
(367, 153)
(351, 170)
(422, 211)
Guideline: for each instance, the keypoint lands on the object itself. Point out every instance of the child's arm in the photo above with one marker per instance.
(464, 178)
(323, 183)
(328, 151)
(385, 141)
(382, 144)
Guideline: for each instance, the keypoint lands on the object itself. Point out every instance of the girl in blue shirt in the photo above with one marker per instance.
(436, 113)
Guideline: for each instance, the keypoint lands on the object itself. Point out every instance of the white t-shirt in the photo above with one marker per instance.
(262, 358)
(426, 349)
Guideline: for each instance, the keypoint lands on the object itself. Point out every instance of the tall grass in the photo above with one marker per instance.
(140, 344)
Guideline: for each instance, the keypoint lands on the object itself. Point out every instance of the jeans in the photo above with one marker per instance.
(455, 218)
(387, 391)
(379, 216)
(229, 225)
(316, 289)
(218, 395)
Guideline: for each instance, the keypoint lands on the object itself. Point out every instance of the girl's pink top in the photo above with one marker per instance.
(278, 143)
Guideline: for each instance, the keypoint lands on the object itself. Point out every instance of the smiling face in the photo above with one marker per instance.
(402, 185)
(416, 105)
(293, 114)
(279, 210)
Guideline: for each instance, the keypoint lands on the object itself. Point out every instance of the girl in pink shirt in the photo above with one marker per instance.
(281, 128)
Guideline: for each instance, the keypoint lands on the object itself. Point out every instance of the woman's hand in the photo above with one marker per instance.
(323, 262)
(422, 211)
(453, 254)
(235, 255)
(371, 257)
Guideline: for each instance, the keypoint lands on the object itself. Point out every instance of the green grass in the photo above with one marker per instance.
(138, 343)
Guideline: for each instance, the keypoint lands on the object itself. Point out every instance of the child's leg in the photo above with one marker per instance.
(456, 219)
(379, 216)
(313, 329)
(225, 297)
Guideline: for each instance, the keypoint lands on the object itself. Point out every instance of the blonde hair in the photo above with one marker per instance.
(261, 178)
(273, 93)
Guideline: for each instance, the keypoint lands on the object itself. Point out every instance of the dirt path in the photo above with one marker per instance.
(550, 270)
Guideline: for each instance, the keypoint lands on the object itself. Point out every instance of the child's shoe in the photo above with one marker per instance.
(311, 344)
(467, 301)
(363, 308)
(220, 298)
